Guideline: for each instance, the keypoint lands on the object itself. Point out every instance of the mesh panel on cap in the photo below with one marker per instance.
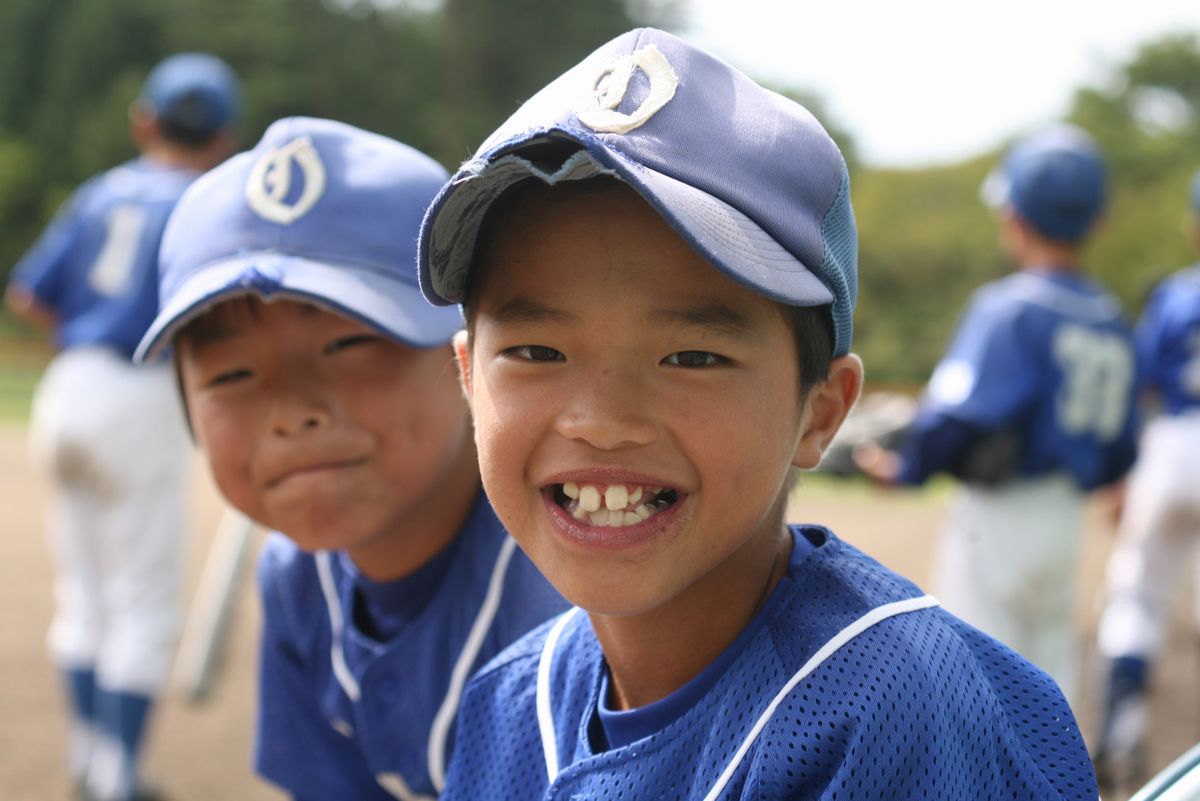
(840, 267)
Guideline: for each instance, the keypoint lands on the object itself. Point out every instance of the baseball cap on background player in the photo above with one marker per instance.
(196, 93)
(1055, 180)
(318, 211)
(763, 194)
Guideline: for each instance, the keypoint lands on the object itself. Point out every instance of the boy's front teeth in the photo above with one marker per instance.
(612, 505)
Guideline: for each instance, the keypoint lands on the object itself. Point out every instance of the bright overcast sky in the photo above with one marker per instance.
(920, 82)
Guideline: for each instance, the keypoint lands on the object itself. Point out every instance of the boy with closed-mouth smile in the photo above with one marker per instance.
(321, 389)
(656, 260)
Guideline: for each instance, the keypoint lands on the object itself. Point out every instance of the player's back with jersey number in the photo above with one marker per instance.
(1048, 356)
(96, 265)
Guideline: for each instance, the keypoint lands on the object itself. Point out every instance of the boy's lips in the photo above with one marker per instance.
(286, 474)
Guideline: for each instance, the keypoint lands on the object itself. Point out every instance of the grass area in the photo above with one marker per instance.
(23, 356)
(850, 490)
(16, 391)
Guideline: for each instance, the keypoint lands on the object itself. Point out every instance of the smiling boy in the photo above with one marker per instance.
(321, 388)
(656, 258)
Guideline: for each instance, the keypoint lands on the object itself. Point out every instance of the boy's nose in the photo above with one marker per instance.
(608, 413)
(297, 413)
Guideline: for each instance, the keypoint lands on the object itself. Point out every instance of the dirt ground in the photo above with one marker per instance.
(202, 752)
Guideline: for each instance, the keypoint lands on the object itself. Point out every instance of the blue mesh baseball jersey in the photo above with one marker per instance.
(1047, 356)
(1168, 342)
(96, 265)
(360, 681)
(850, 685)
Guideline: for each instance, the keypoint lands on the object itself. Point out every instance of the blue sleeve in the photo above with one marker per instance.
(935, 443)
(1147, 341)
(41, 269)
(983, 384)
(296, 747)
(989, 374)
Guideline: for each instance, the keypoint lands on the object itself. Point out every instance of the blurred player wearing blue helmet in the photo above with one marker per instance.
(1160, 520)
(1031, 407)
(108, 432)
(657, 259)
(321, 387)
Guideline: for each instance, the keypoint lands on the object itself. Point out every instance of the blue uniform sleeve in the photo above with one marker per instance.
(935, 443)
(40, 270)
(296, 747)
(1147, 341)
(982, 385)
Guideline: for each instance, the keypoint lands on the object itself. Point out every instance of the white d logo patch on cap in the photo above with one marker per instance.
(270, 182)
(612, 83)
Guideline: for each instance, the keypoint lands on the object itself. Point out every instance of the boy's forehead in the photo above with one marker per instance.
(551, 246)
(569, 222)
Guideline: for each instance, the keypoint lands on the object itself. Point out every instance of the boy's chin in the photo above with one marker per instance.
(321, 533)
(612, 597)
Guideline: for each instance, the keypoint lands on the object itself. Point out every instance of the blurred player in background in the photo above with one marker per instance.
(1031, 407)
(322, 389)
(1160, 521)
(108, 432)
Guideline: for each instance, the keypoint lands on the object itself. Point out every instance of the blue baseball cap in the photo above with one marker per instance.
(196, 91)
(747, 177)
(1055, 180)
(318, 211)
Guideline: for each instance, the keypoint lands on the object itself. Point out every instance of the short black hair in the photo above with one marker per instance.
(811, 326)
(185, 122)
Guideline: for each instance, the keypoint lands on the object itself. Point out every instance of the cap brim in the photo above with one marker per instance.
(395, 308)
(728, 239)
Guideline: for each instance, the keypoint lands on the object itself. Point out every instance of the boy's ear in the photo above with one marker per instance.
(462, 355)
(826, 408)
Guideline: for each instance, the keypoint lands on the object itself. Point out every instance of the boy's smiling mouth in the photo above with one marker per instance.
(616, 505)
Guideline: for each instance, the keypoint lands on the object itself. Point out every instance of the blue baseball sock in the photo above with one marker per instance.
(81, 697)
(121, 720)
(81, 692)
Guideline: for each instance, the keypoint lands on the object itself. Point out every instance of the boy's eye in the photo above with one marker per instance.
(354, 340)
(229, 377)
(694, 358)
(534, 353)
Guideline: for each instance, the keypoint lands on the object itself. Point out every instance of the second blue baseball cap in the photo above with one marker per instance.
(1055, 180)
(318, 211)
(196, 91)
(747, 177)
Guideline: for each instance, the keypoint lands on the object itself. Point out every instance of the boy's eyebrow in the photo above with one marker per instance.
(521, 309)
(209, 333)
(714, 315)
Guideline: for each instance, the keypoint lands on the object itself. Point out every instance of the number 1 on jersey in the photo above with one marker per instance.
(111, 272)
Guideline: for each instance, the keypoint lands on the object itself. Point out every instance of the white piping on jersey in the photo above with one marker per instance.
(1038, 290)
(440, 730)
(876, 615)
(544, 713)
(336, 625)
